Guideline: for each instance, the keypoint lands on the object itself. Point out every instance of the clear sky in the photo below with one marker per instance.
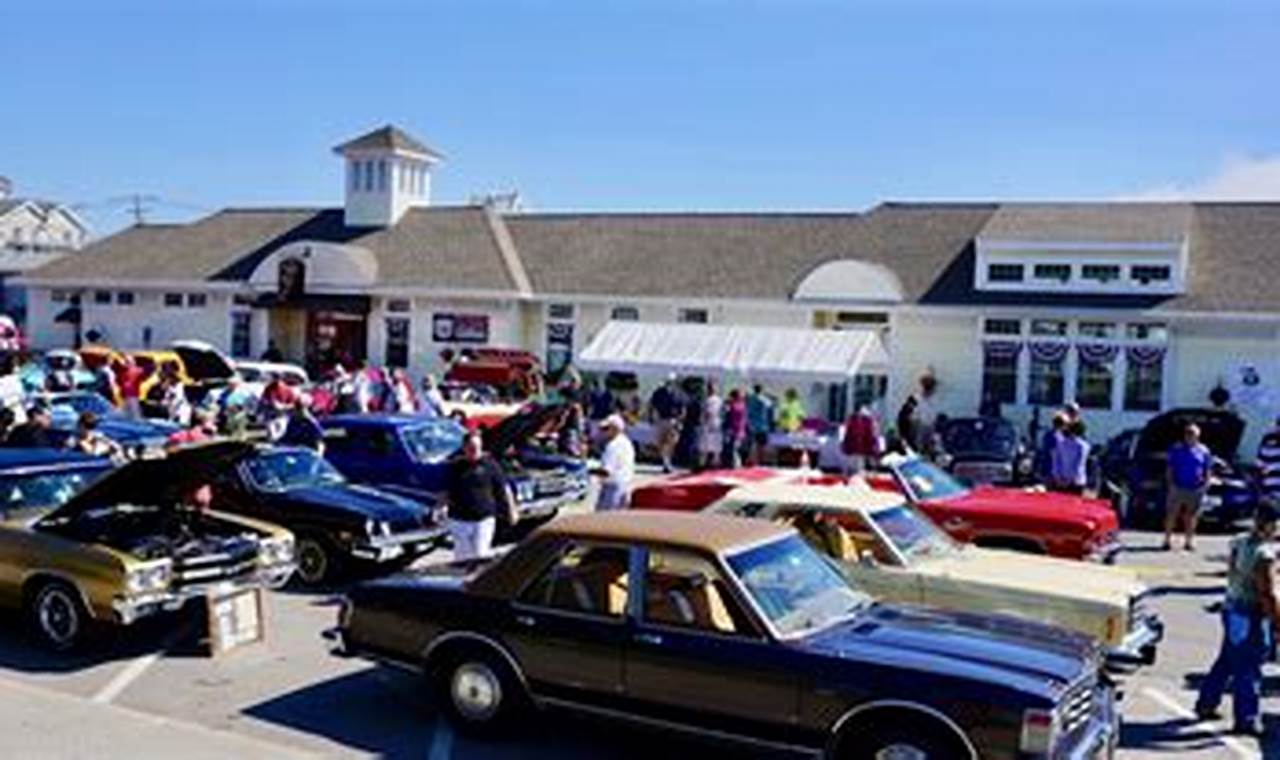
(664, 104)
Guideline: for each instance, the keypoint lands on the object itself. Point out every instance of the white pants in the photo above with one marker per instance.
(472, 539)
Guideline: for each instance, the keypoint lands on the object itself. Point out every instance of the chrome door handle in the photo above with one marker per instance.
(525, 621)
(652, 639)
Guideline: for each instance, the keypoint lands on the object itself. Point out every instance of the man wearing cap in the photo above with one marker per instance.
(1248, 620)
(617, 466)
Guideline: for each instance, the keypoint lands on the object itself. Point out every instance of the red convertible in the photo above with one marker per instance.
(1023, 519)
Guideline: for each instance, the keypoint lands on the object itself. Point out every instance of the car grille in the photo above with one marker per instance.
(553, 485)
(1077, 706)
(231, 563)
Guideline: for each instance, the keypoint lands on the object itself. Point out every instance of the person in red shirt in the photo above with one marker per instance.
(203, 427)
(129, 379)
(861, 442)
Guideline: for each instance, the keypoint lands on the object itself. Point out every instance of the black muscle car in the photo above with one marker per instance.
(734, 629)
(340, 526)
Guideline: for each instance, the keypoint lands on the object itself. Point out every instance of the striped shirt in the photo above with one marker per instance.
(1269, 462)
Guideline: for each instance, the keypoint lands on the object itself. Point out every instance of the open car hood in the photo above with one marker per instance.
(203, 361)
(1220, 430)
(520, 427)
(156, 482)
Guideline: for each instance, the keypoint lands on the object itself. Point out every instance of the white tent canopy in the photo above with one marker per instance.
(755, 352)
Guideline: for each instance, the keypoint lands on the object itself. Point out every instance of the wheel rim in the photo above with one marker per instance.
(902, 751)
(59, 619)
(313, 563)
(476, 691)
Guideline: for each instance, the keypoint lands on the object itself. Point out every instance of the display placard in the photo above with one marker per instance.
(235, 620)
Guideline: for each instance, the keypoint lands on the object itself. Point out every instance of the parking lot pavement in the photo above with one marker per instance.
(147, 693)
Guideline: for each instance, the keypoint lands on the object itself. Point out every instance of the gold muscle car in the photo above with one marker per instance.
(898, 554)
(134, 542)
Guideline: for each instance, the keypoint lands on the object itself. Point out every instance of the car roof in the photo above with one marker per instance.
(854, 498)
(714, 533)
(383, 420)
(14, 459)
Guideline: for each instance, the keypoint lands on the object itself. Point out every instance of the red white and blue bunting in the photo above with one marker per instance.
(1049, 352)
(1145, 356)
(1098, 353)
(1001, 349)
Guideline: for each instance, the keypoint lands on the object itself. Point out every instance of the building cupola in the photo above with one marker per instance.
(387, 173)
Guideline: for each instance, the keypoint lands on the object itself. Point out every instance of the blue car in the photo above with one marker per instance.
(409, 455)
(32, 481)
(66, 408)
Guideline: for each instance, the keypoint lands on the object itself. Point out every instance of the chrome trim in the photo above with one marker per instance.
(59, 576)
(902, 704)
(486, 641)
(673, 726)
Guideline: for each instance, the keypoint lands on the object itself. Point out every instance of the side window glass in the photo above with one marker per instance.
(685, 590)
(380, 443)
(846, 537)
(586, 579)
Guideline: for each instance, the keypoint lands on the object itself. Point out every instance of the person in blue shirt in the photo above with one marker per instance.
(759, 422)
(1190, 464)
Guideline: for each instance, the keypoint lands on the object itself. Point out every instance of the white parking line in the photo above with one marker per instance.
(1239, 748)
(130, 673)
(441, 742)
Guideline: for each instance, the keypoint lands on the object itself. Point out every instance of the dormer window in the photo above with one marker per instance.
(1005, 273)
(1052, 272)
(1146, 274)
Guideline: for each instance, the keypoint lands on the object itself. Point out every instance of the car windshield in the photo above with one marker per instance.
(432, 444)
(924, 481)
(795, 587)
(293, 468)
(43, 491)
(983, 437)
(914, 535)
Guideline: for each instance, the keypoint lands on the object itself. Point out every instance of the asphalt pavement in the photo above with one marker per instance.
(149, 693)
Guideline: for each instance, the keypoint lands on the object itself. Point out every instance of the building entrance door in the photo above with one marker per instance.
(336, 336)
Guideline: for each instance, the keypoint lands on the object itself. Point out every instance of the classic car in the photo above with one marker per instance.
(340, 528)
(66, 365)
(135, 435)
(36, 480)
(1133, 466)
(256, 375)
(130, 545)
(1022, 519)
(985, 450)
(200, 367)
(897, 554)
(408, 455)
(735, 630)
(1028, 519)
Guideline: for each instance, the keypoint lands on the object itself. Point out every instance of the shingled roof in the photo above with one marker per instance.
(687, 255)
(389, 137)
(446, 247)
(1090, 222)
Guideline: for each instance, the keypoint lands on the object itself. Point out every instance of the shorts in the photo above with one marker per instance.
(613, 496)
(1182, 500)
(668, 433)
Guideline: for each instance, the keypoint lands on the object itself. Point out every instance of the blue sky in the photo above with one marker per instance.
(699, 104)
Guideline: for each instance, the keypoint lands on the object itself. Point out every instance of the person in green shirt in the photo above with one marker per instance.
(791, 412)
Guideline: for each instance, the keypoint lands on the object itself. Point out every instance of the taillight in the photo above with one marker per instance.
(1039, 732)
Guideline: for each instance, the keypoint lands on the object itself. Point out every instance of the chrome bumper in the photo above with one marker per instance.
(129, 609)
(549, 505)
(1105, 553)
(397, 546)
(1139, 646)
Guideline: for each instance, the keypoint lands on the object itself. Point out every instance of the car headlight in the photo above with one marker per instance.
(525, 490)
(154, 576)
(1039, 732)
(276, 551)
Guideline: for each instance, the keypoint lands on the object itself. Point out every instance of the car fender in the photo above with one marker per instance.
(898, 705)
(475, 639)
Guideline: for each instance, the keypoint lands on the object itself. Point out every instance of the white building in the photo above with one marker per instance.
(32, 233)
(1125, 308)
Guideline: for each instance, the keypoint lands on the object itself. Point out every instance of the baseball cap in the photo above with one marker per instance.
(615, 421)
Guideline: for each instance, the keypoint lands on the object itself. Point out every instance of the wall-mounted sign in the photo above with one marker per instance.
(460, 328)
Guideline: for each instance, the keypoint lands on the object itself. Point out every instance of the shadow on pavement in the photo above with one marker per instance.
(1173, 736)
(173, 633)
(389, 713)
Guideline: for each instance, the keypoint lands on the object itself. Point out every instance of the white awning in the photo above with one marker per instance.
(756, 352)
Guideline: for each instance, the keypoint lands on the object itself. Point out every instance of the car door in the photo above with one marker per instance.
(696, 656)
(570, 623)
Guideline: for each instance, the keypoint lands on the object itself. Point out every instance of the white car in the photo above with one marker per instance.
(256, 375)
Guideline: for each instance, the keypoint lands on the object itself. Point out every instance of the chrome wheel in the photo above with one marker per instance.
(313, 561)
(902, 751)
(58, 616)
(476, 691)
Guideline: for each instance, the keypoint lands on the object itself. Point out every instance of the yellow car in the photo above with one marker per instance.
(133, 542)
(898, 554)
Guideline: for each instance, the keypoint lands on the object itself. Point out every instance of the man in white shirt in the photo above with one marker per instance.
(617, 466)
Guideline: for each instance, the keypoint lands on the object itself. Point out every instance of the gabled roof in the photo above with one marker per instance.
(686, 255)
(390, 138)
(444, 247)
